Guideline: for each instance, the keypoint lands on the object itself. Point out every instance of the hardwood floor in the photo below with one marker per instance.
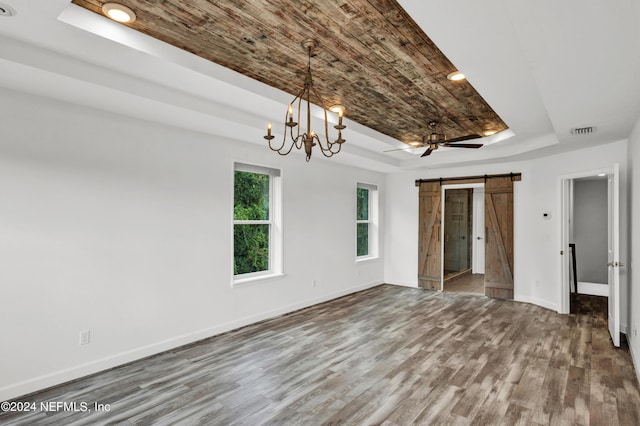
(389, 355)
(469, 283)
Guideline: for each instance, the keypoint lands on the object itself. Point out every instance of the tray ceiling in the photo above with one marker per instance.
(372, 57)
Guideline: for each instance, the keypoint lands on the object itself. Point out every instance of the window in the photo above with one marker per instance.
(256, 225)
(366, 220)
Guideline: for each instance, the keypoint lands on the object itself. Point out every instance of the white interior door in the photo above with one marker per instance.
(613, 264)
(478, 231)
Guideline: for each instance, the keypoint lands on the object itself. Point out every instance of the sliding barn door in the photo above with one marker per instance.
(498, 274)
(429, 263)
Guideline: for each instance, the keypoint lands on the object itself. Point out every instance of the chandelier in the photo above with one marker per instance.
(308, 138)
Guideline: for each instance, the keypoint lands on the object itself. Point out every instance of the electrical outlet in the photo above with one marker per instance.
(313, 283)
(635, 329)
(85, 337)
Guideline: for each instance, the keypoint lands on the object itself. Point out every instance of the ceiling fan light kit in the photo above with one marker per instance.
(309, 138)
(435, 140)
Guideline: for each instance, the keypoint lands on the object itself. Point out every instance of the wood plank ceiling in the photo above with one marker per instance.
(372, 57)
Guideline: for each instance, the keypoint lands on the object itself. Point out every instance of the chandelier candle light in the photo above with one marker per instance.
(309, 138)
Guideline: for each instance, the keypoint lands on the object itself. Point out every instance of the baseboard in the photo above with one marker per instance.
(594, 289)
(634, 361)
(62, 376)
(536, 301)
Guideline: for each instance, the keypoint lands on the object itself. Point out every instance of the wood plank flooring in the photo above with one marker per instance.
(388, 355)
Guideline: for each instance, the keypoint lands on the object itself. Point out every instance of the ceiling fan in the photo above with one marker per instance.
(434, 140)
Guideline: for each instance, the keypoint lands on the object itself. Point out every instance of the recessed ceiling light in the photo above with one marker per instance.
(455, 76)
(119, 12)
(489, 132)
(415, 143)
(602, 174)
(6, 10)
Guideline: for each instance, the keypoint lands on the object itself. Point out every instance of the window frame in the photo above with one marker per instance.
(274, 222)
(371, 221)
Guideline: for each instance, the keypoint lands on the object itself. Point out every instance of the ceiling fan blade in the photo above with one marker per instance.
(463, 145)
(403, 149)
(427, 152)
(463, 138)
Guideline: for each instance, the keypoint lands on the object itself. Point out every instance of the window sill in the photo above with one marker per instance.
(255, 278)
(367, 259)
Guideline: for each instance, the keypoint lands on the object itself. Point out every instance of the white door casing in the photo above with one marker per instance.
(613, 257)
(478, 231)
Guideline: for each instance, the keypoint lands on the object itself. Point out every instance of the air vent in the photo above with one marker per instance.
(6, 10)
(579, 131)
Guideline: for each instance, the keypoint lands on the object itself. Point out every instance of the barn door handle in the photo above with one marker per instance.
(486, 235)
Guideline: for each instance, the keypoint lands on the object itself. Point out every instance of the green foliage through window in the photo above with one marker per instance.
(362, 239)
(362, 217)
(250, 196)
(363, 204)
(250, 240)
(250, 248)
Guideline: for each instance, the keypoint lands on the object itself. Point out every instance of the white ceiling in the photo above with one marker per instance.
(544, 67)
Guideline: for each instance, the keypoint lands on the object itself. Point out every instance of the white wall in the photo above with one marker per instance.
(123, 228)
(536, 240)
(634, 258)
(591, 229)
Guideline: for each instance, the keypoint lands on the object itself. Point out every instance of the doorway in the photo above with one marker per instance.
(589, 191)
(588, 235)
(496, 230)
(463, 235)
(458, 225)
